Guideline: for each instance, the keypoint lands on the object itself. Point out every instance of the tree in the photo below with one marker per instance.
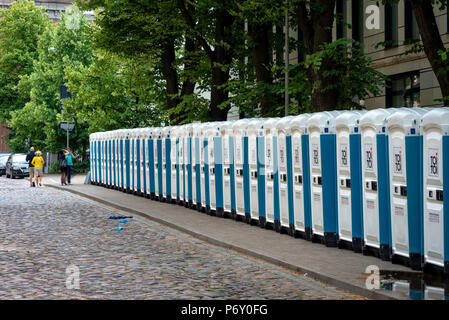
(114, 92)
(153, 29)
(65, 44)
(315, 19)
(20, 27)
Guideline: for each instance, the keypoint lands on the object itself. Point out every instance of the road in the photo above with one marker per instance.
(57, 245)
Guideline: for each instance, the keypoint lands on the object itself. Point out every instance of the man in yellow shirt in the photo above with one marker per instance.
(38, 163)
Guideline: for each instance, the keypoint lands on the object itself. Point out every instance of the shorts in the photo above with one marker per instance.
(31, 172)
(38, 172)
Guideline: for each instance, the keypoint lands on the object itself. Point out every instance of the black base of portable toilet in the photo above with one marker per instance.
(198, 206)
(147, 195)
(128, 190)
(277, 226)
(295, 233)
(262, 222)
(415, 261)
(385, 252)
(330, 239)
(152, 195)
(357, 245)
(308, 233)
(219, 212)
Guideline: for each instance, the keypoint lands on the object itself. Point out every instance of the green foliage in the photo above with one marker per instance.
(352, 69)
(65, 44)
(20, 27)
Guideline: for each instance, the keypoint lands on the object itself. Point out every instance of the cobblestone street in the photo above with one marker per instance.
(44, 231)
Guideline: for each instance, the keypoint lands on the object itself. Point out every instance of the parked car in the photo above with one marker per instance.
(3, 158)
(17, 166)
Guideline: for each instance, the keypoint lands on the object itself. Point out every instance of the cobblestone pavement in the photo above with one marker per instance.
(44, 231)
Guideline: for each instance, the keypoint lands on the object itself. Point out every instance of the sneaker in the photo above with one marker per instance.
(34, 184)
(40, 184)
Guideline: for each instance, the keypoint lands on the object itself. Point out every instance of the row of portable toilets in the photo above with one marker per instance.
(374, 181)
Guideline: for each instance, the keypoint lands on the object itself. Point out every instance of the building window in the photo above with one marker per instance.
(357, 20)
(403, 90)
(411, 26)
(391, 25)
(341, 21)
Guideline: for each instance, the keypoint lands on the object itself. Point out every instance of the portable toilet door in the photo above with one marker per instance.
(282, 208)
(137, 158)
(349, 173)
(196, 163)
(188, 159)
(405, 162)
(196, 175)
(228, 168)
(113, 159)
(105, 159)
(204, 165)
(109, 155)
(174, 173)
(323, 174)
(151, 162)
(375, 178)
(132, 146)
(166, 164)
(141, 162)
(435, 130)
(122, 162)
(158, 176)
(117, 159)
(120, 158)
(255, 162)
(92, 158)
(269, 128)
(241, 189)
(212, 131)
(182, 169)
(145, 162)
(299, 193)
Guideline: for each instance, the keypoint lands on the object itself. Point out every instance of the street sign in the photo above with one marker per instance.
(67, 126)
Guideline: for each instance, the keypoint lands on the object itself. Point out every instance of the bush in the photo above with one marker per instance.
(54, 168)
(81, 166)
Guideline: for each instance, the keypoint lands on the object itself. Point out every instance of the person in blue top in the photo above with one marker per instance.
(69, 157)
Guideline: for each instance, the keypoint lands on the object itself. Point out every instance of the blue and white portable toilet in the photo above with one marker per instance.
(199, 197)
(298, 176)
(166, 164)
(92, 158)
(226, 133)
(104, 157)
(406, 196)
(127, 153)
(376, 183)
(108, 159)
(174, 141)
(435, 131)
(146, 132)
(323, 174)
(204, 167)
(215, 164)
(270, 183)
(196, 166)
(113, 139)
(158, 175)
(135, 160)
(188, 163)
(182, 168)
(120, 159)
(141, 169)
(152, 169)
(132, 155)
(101, 159)
(349, 180)
(254, 132)
(282, 138)
(241, 190)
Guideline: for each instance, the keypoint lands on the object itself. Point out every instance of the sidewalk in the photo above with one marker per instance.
(341, 268)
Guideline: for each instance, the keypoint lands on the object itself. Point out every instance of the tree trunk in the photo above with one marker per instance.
(316, 27)
(260, 34)
(221, 59)
(431, 40)
(170, 75)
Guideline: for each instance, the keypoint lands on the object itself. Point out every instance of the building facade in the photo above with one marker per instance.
(413, 82)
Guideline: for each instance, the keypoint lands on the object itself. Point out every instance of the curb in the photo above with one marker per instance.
(376, 295)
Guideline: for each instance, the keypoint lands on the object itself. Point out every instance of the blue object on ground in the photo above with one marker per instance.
(119, 228)
(119, 217)
(123, 221)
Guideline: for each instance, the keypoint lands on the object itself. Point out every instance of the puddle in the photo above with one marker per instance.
(417, 286)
